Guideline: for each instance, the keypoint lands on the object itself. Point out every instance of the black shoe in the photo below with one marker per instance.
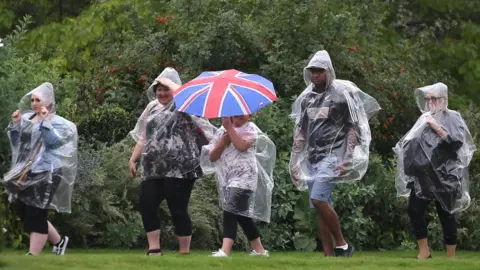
(340, 252)
(62, 246)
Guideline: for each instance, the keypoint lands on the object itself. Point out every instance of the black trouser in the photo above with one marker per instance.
(417, 210)
(177, 193)
(34, 219)
(238, 201)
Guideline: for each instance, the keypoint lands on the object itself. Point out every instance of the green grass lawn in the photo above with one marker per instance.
(198, 260)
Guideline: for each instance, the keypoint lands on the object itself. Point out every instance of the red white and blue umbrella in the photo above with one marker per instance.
(225, 93)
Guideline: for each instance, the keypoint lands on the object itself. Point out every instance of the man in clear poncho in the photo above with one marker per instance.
(242, 158)
(44, 165)
(433, 160)
(331, 143)
(169, 144)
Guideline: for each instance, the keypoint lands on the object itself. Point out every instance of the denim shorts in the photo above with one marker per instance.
(321, 187)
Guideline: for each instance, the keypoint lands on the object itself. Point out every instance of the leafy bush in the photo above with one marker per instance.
(107, 124)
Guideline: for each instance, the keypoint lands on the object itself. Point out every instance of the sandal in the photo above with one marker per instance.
(429, 257)
(154, 251)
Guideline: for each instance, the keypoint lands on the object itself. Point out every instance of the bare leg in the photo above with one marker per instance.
(37, 242)
(184, 244)
(154, 241)
(256, 245)
(53, 235)
(423, 250)
(330, 218)
(326, 237)
(227, 245)
(451, 251)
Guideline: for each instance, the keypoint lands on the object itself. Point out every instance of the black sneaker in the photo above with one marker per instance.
(62, 246)
(340, 252)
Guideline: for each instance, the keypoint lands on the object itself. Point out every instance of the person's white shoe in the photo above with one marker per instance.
(219, 253)
(264, 254)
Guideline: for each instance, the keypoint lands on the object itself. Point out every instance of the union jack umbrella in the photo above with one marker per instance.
(215, 94)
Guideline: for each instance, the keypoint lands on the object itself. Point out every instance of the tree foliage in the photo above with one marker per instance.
(102, 61)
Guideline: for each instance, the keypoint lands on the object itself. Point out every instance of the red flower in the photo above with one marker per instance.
(402, 69)
(161, 20)
(382, 86)
(117, 54)
(140, 54)
(112, 70)
(141, 81)
(385, 126)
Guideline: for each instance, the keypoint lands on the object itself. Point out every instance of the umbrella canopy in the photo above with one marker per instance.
(215, 94)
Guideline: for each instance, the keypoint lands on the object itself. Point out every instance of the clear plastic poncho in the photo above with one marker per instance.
(332, 134)
(138, 133)
(244, 179)
(436, 167)
(44, 156)
(172, 140)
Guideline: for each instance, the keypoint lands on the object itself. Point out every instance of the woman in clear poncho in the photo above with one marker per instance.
(44, 164)
(168, 144)
(242, 158)
(433, 160)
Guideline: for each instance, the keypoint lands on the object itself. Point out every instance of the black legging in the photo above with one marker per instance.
(33, 202)
(417, 210)
(177, 193)
(230, 226)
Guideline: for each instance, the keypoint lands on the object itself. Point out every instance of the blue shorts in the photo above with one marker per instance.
(321, 189)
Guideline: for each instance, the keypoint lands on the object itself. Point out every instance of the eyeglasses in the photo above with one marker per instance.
(433, 99)
(35, 99)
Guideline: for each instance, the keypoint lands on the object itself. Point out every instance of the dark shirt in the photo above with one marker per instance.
(326, 120)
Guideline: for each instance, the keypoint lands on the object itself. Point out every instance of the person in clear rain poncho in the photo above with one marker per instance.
(433, 160)
(44, 166)
(331, 143)
(169, 144)
(242, 158)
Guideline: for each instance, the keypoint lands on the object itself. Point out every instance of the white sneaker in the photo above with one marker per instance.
(254, 254)
(219, 253)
